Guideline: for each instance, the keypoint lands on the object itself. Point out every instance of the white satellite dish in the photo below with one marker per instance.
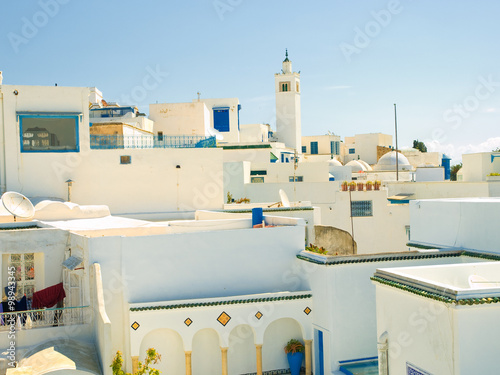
(284, 199)
(18, 205)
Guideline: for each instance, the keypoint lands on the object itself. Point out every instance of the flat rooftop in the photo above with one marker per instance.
(464, 284)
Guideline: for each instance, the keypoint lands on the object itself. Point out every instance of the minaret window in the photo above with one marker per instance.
(298, 87)
(284, 86)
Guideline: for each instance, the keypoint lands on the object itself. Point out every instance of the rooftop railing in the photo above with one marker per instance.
(109, 142)
(44, 318)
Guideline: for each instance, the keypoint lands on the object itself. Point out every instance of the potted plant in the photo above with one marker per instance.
(344, 185)
(369, 185)
(361, 186)
(352, 186)
(294, 350)
(377, 184)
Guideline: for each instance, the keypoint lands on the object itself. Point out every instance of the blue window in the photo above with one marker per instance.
(297, 179)
(49, 132)
(314, 148)
(221, 119)
(335, 147)
(239, 109)
(352, 150)
(304, 149)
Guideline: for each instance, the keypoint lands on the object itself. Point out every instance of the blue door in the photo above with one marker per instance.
(318, 349)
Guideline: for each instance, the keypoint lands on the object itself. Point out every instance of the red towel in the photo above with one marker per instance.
(48, 297)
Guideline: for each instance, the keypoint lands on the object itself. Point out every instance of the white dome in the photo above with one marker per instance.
(334, 163)
(366, 165)
(388, 162)
(356, 166)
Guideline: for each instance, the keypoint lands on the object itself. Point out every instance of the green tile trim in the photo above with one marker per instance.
(331, 260)
(244, 147)
(435, 296)
(221, 303)
(277, 209)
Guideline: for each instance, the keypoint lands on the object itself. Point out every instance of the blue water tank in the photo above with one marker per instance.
(445, 163)
(257, 215)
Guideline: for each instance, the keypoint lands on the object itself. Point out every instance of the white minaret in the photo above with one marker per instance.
(287, 87)
(1, 77)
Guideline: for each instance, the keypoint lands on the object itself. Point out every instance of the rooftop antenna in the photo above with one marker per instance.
(199, 94)
(18, 205)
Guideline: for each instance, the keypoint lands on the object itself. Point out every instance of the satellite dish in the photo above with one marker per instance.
(284, 199)
(18, 205)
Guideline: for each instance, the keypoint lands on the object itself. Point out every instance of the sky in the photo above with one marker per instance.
(437, 60)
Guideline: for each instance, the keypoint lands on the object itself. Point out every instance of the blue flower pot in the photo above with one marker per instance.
(295, 362)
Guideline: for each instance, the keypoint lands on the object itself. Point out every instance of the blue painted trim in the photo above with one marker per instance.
(493, 157)
(221, 108)
(72, 115)
(320, 353)
(358, 360)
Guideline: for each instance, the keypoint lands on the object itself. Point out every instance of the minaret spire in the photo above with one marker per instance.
(286, 55)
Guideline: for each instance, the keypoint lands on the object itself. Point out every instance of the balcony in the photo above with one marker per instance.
(109, 142)
(44, 318)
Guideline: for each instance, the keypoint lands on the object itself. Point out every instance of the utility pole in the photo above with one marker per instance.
(397, 156)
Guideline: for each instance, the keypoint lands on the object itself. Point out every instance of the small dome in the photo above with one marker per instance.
(366, 165)
(334, 163)
(356, 166)
(388, 162)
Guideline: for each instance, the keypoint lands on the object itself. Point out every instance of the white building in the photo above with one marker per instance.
(442, 319)
(364, 146)
(45, 141)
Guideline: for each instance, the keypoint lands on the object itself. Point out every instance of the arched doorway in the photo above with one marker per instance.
(169, 345)
(277, 334)
(206, 356)
(241, 355)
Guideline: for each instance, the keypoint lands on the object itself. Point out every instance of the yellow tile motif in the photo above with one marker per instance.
(188, 322)
(259, 315)
(135, 325)
(223, 318)
(307, 310)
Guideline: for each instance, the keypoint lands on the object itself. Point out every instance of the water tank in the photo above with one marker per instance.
(445, 163)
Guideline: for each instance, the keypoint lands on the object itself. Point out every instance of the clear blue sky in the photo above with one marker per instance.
(427, 56)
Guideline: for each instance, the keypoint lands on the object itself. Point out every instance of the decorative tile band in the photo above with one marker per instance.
(269, 209)
(435, 296)
(221, 303)
(276, 372)
(395, 257)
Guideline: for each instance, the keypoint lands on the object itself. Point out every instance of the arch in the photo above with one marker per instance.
(168, 343)
(276, 335)
(241, 353)
(206, 355)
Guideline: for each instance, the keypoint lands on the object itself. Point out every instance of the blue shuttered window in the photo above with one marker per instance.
(221, 119)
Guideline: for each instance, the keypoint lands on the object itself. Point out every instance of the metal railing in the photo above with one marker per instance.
(108, 142)
(45, 318)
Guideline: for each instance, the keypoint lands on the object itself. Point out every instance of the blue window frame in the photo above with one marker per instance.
(49, 132)
(352, 150)
(314, 148)
(304, 149)
(221, 119)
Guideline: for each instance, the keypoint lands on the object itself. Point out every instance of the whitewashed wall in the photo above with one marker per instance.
(470, 223)
(151, 183)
